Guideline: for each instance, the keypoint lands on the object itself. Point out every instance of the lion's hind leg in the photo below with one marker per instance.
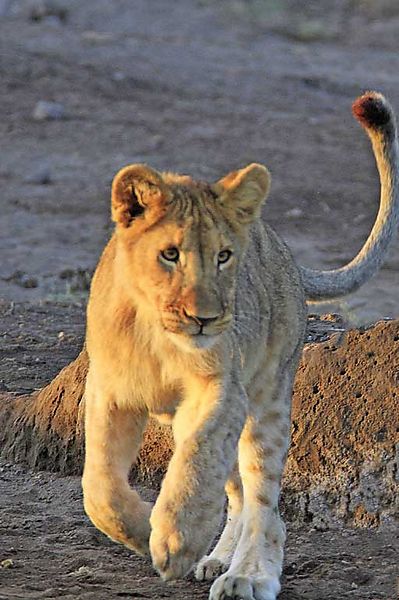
(218, 561)
(255, 570)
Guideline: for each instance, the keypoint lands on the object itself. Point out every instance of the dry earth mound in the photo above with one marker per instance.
(344, 457)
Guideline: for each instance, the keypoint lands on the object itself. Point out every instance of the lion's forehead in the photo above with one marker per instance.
(197, 220)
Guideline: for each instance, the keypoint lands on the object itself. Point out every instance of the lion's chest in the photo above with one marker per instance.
(150, 382)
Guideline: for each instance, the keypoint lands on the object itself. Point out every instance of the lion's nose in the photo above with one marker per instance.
(202, 321)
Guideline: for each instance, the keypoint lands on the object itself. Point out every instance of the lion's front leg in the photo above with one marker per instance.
(187, 513)
(113, 437)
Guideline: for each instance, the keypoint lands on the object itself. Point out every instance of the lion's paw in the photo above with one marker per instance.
(209, 568)
(172, 556)
(241, 587)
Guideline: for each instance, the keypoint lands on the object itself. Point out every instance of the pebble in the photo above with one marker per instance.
(29, 282)
(48, 111)
(294, 213)
(8, 563)
(83, 571)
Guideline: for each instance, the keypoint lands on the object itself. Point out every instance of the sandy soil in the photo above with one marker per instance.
(196, 87)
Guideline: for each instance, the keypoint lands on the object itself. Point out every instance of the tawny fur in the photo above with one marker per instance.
(197, 316)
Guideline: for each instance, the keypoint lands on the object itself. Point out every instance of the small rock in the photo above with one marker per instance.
(29, 282)
(48, 111)
(8, 563)
(294, 213)
(83, 571)
(61, 335)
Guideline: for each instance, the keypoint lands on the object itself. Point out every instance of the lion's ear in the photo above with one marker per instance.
(134, 189)
(244, 191)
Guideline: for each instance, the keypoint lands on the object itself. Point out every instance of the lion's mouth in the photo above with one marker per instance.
(193, 341)
(193, 331)
(196, 329)
(194, 335)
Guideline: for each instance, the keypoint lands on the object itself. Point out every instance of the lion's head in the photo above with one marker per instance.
(180, 242)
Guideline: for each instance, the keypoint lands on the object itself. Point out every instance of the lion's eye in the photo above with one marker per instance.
(224, 256)
(170, 254)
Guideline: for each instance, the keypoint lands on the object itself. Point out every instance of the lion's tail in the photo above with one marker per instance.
(375, 114)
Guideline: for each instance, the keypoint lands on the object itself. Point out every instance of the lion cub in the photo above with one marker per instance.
(197, 316)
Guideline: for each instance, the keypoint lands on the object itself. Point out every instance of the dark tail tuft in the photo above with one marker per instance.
(372, 110)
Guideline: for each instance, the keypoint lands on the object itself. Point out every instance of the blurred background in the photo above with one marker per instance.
(197, 87)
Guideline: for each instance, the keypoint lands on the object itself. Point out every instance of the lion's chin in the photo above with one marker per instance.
(193, 343)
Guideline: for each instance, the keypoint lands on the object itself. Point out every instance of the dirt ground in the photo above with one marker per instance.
(57, 553)
(198, 87)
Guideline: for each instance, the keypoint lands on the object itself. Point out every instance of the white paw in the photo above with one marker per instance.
(209, 568)
(241, 587)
